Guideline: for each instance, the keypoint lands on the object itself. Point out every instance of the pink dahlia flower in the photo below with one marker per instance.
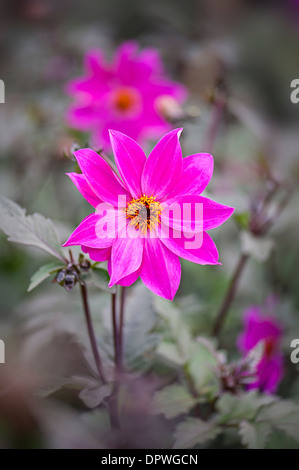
(127, 95)
(260, 327)
(149, 216)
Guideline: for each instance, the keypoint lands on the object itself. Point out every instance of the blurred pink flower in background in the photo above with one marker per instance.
(128, 95)
(151, 244)
(260, 326)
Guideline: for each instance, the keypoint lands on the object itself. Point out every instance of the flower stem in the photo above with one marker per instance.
(118, 326)
(259, 229)
(115, 329)
(121, 327)
(213, 126)
(91, 333)
(230, 295)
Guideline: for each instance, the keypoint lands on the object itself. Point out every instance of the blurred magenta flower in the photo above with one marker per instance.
(127, 95)
(151, 216)
(259, 326)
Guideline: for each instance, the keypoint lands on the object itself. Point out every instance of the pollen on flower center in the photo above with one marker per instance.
(125, 99)
(145, 213)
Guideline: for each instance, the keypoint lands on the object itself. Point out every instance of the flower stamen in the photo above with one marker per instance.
(145, 213)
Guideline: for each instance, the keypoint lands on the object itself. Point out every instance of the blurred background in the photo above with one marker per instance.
(237, 58)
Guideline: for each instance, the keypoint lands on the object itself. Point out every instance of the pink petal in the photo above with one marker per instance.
(94, 61)
(95, 254)
(163, 167)
(95, 82)
(81, 116)
(127, 280)
(194, 213)
(84, 188)
(94, 232)
(257, 327)
(199, 249)
(269, 374)
(151, 58)
(183, 213)
(99, 175)
(160, 269)
(196, 175)
(130, 160)
(126, 256)
(214, 214)
(124, 62)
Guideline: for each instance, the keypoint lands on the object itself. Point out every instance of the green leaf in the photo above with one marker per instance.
(172, 401)
(177, 329)
(277, 415)
(242, 219)
(43, 273)
(34, 230)
(280, 440)
(94, 396)
(193, 432)
(234, 409)
(254, 435)
(170, 352)
(282, 415)
(100, 278)
(202, 368)
(140, 339)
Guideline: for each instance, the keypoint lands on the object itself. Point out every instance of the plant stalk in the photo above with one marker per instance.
(230, 295)
(91, 332)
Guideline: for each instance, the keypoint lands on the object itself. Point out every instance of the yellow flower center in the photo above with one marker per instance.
(145, 213)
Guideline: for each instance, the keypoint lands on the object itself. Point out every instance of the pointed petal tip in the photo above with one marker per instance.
(69, 242)
(82, 152)
(178, 131)
(117, 134)
(113, 134)
(71, 174)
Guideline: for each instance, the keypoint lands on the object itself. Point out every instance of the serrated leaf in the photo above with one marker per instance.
(280, 440)
(34, 230)
(94, 396)
(259, 248)
(177, 329)
(42, 273)
(202, 368)
(282, 415)
(169, 351)
(234, 409)
(254, 435)
(100, 278)
(172, 401)
(193, 432)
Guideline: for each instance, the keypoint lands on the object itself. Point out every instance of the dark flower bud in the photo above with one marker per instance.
(85, 265)
(70, 281)
(60, 276)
